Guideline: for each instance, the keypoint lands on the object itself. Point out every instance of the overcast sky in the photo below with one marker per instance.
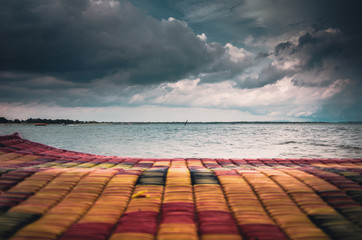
(174, 60)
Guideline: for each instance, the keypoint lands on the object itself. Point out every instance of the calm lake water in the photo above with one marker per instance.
(297, 140)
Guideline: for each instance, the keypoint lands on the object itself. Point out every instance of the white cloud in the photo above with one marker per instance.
(107, 53)
(290, 64)
(203, 37)
(172, 19)
(110, 3)
(275, 100)
(237, 55)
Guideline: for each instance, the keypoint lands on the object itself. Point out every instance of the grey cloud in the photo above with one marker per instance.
(281, 47)
(316, 58)
(277, 17)
(48, 90)
(78, 44)
(229, 62)
(206, 10)
(83, 40)
(324, 50)
(227, 20)
(262, 55)
(101, 53)
(319, 58)
(268, 74)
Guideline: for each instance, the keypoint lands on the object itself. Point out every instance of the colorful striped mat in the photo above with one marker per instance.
(49, 193)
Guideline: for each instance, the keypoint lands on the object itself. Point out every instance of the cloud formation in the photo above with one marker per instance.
(79, 41)
(280, 62)
(103, 41)
(91, 39)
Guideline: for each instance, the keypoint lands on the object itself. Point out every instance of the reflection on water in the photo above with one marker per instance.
(202, 140)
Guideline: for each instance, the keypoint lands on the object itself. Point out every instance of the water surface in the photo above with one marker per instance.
(279, 140)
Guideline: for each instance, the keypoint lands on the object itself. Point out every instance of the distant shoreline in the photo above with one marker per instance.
(180, 123)
(32, 121)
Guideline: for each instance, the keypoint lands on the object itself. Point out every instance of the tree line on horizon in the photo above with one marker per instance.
(41, 120)
(3, 120)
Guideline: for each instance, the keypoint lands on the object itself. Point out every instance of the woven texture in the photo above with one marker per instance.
(48, 193)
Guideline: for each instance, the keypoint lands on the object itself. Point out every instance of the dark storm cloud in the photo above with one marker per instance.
(327, 58)
(323, 50)
(109, 52)
(267, 75)
(49, 91)
(315, 57)
(89, 52)
(232, 20)
(282, 46)
(83, 40)
(79, 41)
